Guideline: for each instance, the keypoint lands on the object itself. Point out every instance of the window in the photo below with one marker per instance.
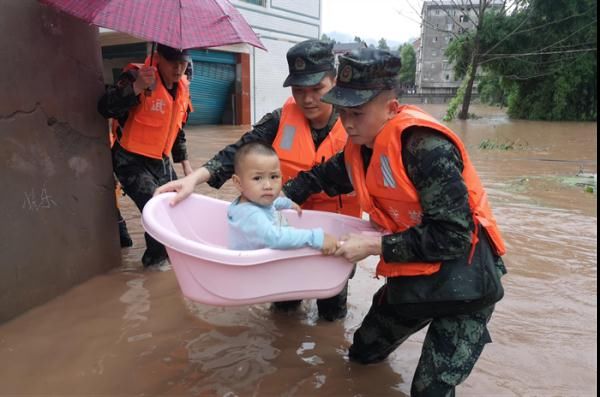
(464, 18)
(257, 2)
(435, 39)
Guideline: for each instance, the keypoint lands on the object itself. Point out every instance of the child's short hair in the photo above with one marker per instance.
(247, 148)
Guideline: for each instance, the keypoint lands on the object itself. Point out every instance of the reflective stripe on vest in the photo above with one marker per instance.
(296, 150)
(386, 170)
(152, 126)
(386, 193)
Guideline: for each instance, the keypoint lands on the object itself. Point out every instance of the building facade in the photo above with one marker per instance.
(442, 20)
(235, 84)
(280, 24)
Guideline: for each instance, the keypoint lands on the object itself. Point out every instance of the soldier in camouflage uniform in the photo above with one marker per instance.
(458, 300)
(311, 72)
(139, 174)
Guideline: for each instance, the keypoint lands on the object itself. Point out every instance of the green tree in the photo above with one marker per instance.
(409, 64)
(474, 42)
(357, 39)
(493, 90)
(466, 48)
(382, 44)
(542, 60)
(459, 52)
(325, 37)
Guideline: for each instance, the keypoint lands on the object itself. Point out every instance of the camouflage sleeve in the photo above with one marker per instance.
(330, 177)
(435, 166)
(221, 165)
(179, 150)
(119, 98)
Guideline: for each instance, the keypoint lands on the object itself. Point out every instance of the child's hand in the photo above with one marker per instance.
(297, 208)
(330, 244)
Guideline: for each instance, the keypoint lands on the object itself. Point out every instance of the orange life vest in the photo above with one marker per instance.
(112, 133)
(153, 125)
(296, 150)
(387, 194)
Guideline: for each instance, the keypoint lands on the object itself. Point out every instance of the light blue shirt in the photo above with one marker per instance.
(252, 226)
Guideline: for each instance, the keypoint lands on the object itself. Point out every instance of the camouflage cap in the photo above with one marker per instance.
(362, 75)
(308, 62)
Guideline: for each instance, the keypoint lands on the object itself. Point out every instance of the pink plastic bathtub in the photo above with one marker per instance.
(195, 234)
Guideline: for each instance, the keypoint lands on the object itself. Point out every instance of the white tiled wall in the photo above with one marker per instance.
(280, 25)
(269, 70)
(304, 7)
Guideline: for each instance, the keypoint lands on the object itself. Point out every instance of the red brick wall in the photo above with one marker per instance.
(243, 95)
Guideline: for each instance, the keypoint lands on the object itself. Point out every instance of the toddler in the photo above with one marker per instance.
(254, 218)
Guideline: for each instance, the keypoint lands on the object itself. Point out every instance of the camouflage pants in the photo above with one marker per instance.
(140, 176)
(451, 347)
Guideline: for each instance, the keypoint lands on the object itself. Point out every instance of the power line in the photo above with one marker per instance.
(533, 76)
(543, 53)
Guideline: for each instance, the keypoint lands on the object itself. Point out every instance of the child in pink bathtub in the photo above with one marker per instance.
(254, 218)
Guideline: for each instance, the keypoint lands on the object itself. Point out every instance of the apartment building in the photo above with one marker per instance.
(442, 20)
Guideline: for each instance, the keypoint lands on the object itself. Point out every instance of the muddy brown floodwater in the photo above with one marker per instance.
(131, 333)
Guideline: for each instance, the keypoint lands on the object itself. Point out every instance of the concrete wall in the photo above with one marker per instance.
(57, 207)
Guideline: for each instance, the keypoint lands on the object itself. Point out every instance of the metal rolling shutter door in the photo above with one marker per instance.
(212, 85)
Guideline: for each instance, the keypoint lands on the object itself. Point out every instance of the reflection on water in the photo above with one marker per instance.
(131, 333)
(236, 354)
(138, 304)
(231, 362)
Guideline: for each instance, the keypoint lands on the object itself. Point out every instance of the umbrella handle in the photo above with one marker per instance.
(148, 91)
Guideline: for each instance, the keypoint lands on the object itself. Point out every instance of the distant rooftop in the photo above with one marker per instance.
(457, 3)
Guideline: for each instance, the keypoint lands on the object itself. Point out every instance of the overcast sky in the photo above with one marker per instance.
(394, 20)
